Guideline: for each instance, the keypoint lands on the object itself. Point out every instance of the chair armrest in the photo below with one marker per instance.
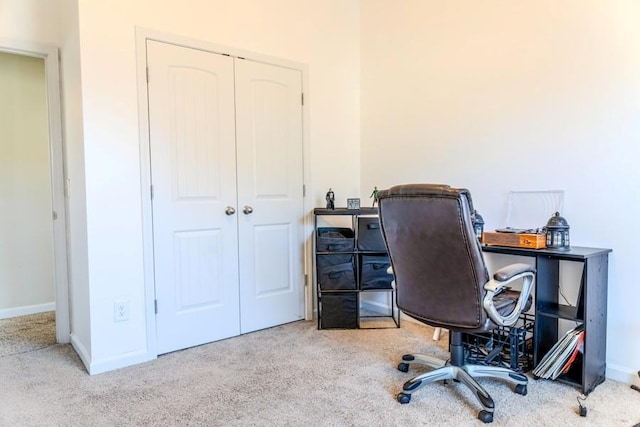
(506, 273)
(500, 280)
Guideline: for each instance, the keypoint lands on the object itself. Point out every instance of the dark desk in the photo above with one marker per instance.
(590, 309)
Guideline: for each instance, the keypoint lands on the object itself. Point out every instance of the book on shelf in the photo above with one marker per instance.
(562, 355)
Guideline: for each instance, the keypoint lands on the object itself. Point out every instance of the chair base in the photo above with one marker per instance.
(465, 374)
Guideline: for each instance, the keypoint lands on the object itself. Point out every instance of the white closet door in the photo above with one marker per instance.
(193, 170)
(270, 198)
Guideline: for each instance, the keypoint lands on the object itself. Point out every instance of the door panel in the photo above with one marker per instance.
(270, 178)
(272, 242)
(194, 251)
(192, 142)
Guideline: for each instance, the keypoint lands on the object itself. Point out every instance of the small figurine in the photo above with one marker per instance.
(374, 194)
(330, 200)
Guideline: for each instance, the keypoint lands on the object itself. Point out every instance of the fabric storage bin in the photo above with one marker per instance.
(370, 235)
(329, 260)
(337, 277)
(339, 310)
(333, 239)
(373, 272)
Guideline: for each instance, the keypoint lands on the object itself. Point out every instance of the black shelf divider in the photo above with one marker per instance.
(559, 311)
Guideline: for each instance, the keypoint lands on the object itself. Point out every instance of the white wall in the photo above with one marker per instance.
(498, 96)
(324, 35)
(31, 21)
(467, 93)
(71, 94)
(99, 95)
(26, 249)
(55, 23)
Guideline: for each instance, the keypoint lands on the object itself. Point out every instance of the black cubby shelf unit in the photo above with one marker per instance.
(351, 260)
(590, 309)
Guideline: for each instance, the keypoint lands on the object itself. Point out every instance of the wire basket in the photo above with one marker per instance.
(507, 346)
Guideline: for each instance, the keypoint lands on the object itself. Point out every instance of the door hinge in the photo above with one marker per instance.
(304, 190)
(306, 280)
(147, 74)
(155, 306)
(67, 184)
(151, 190)
(302, 98)
(55, 215)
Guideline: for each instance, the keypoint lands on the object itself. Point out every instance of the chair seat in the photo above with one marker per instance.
(506, 301)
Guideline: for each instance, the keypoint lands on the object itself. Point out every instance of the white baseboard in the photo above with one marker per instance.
(7, 313)
(375, 306)
(81, 350)
(622, 374)
(120, 361)
(381, 307)
(94, 367)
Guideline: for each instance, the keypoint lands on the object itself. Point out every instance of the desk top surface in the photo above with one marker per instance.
(345, 211)
(575, 252)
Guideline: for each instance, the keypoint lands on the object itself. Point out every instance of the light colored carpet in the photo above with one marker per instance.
(291, 375)
(27, 333)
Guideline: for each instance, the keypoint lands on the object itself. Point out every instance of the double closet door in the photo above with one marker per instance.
(227, 194)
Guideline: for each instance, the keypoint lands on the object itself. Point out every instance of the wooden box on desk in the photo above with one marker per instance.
(516, 240)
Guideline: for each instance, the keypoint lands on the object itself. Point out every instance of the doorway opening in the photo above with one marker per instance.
(33, 247)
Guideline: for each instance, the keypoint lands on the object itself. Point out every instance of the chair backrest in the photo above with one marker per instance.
(436, 257)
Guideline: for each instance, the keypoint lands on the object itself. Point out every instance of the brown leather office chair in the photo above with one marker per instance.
(441, 280)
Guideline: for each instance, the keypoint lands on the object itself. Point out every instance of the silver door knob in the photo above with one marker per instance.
(230, 210)
(247, 210)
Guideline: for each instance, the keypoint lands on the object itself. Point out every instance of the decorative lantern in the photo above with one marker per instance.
(557, 230)
(478, 224)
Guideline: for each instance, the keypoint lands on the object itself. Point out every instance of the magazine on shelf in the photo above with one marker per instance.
(560, 357)
(574, 355)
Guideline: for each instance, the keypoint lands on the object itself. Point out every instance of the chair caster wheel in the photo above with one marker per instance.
(403, 367)
(485, 416)
(403, 398)
(521, 389)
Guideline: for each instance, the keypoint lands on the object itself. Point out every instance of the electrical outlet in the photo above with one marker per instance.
(120, 311)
